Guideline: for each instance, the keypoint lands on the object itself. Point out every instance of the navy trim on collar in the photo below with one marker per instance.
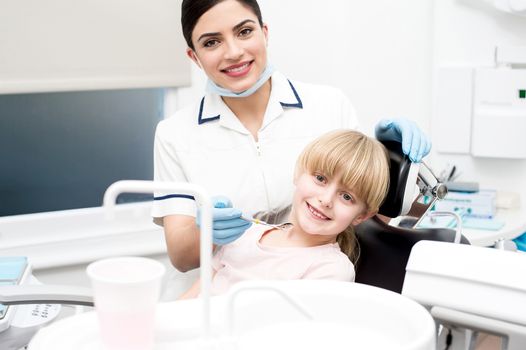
(202, 120)
(298, 104)
(187, 196)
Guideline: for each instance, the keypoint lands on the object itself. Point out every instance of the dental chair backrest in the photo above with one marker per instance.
(385, 249)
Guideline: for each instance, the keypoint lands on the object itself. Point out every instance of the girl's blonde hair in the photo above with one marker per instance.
(364, 165)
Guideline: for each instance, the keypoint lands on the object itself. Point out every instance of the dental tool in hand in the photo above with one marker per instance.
(260, 222)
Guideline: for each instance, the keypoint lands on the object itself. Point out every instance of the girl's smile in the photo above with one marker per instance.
(316, 214)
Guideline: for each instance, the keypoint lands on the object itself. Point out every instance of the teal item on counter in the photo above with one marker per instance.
(521, 242)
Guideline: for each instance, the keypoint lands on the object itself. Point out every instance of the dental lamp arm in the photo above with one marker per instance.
(45, 294)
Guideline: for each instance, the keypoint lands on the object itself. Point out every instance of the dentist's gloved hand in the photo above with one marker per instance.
(414, 143)
(227, 223)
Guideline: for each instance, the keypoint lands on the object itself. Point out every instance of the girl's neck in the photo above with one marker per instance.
(296, 234)
(293, 236)
(250, 110)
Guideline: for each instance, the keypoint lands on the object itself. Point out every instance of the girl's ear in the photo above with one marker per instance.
(191, 53)
(362, 217)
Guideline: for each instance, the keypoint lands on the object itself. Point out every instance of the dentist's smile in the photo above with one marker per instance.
(238, 70)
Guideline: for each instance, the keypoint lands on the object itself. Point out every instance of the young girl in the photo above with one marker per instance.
(340, 180)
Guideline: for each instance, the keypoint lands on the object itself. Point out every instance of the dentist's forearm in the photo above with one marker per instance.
(182, 241)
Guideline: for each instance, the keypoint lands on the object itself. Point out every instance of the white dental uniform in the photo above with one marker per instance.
(206, 144)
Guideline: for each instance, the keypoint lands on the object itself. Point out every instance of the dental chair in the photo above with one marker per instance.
(458, 283)
(385, 249)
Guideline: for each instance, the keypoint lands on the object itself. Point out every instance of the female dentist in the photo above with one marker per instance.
(242, 138)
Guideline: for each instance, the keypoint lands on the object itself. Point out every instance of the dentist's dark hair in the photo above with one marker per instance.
(192, 10)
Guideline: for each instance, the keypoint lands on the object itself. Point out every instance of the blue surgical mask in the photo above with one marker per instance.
(216, 89)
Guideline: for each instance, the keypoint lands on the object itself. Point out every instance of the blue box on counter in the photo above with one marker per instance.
(481, 204)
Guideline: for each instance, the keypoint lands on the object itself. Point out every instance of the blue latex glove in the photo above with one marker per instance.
(227, 224)
(414, 143)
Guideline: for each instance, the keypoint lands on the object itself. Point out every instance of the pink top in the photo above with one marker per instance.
(247, 259)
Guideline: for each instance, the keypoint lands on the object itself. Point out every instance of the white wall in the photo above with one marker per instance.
(466, 33)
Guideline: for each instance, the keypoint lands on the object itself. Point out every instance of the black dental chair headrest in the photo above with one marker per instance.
(400, 166)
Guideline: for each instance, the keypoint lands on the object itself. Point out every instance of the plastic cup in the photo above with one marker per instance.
(126, 291)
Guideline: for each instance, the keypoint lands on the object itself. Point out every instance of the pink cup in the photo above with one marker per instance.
(126, 291)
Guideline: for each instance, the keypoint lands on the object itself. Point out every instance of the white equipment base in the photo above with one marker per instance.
(254, 316)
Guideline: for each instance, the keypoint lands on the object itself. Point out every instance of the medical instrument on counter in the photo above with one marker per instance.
(260, 222)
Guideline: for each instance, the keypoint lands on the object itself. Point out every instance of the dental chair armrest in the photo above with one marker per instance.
(45, 294)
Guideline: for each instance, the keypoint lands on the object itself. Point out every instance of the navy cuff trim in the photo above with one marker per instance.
(187, 196)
